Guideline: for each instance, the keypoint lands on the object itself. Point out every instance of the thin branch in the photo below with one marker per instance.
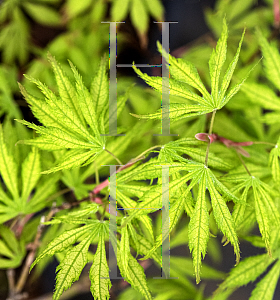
(11, 282)
(59, 193)
(29, 260)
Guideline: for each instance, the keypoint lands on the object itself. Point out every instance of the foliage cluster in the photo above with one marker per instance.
(224, 171)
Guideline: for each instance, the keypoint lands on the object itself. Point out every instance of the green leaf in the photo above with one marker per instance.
(139, 16)
(229, 73)
(178, 111)
(261, 215)
(63, 241)
(99, 90)
(217, 61)
(135, 276)
(8, 169)
(42, 192)
(66, 89)
(75, 8)
(30, 173)
(222, 215)
(42, 14)
(99, 271)
(71, 266)
(186, 72)
(11, 251)
(62, 138)
(86, 103)
(234, 89)
(199, 228)
(74, 158)
(271, 60)
(119, 10)
(248, 270)
(239, 208)
(261, 95)
(156, 9)
(274, 161)
(266, 287)
(124, 248)
(175, 87)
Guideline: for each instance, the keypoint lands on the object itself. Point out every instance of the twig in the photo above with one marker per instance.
(11, 282)
(30, 258)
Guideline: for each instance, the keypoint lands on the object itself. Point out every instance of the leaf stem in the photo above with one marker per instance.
(96, 174)
(265, 143)
(114, 156)
(243, 163)
(210, 132)
(143, 153)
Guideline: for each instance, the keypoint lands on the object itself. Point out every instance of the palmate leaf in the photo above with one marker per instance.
(76, 257)
(20, 200)
(184, 74)
(69, 120)
(199, 224)
(266, 211)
